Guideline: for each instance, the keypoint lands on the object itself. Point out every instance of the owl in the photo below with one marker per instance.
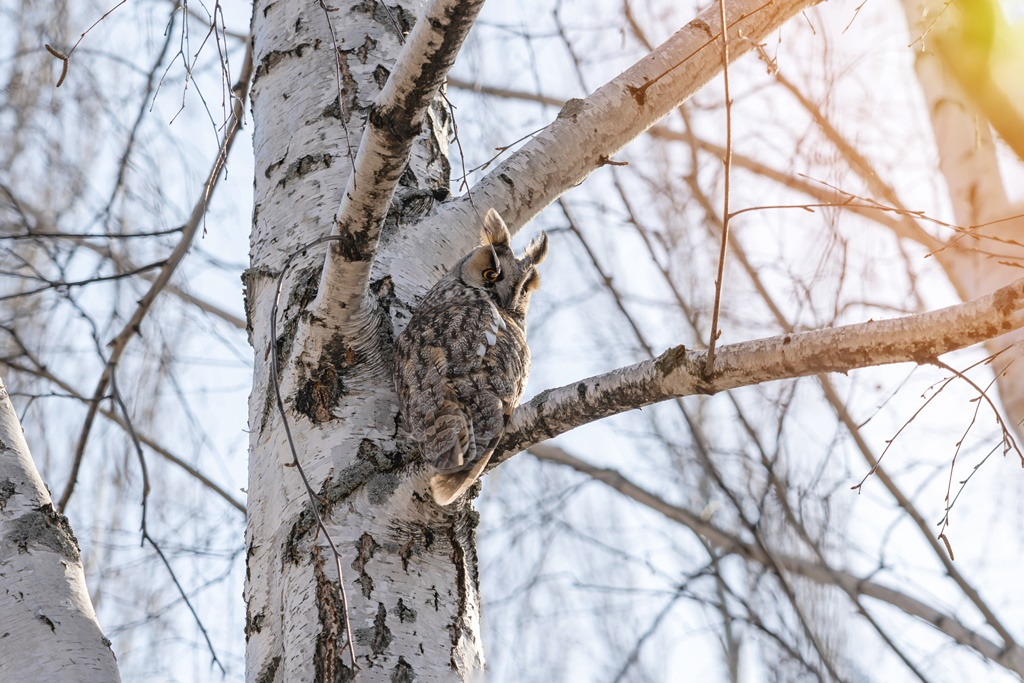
(460, 366)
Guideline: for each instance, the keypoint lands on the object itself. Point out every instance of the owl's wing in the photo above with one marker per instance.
(439, 420)
(488, 414)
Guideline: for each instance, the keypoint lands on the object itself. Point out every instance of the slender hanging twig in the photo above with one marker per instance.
(715, 332)
(314, 500)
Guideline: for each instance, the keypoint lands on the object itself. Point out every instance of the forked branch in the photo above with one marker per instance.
(588, 132)
(394, 122)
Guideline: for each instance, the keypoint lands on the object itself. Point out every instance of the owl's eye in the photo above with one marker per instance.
(490, 275)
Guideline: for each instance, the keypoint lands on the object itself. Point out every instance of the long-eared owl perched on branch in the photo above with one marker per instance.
(461, 364)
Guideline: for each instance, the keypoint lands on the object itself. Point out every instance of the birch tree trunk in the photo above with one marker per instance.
(48, 629)
(409, 566)
(989, 256)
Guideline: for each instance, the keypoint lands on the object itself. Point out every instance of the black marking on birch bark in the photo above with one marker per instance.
(254, 623)
(373, 466)
(275, 57)
(672, 359)
(328, 656)
(322, 390)
(268, 674)
(250, 277)
(46, 527)
(380, 77)
(402, 17)
(365, 549)
(46, 620)
(272, 168)
(378, 637)
(404, 612)
(353, 246)
(405, 553)
(7, 488)
(304, 166)
(362, 52)
(403, 672)
(571, 109)
(384, 291)
(304, 289)
(458, 558)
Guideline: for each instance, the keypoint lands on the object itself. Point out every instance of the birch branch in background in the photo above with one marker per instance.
(394, 122)
(587, 132)
(1010, 657)
(681, 372)
(900, 224)
(44, 604)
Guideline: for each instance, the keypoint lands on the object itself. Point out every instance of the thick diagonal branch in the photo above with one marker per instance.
(395, 120)
(587, 132)
(681, 372)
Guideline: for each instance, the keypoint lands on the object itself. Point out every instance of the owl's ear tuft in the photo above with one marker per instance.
(537, 249)
(494, 230)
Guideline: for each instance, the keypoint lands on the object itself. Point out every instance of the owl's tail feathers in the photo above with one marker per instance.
(448, 441)
(446, 487)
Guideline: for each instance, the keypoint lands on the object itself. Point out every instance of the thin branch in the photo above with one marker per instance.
(66, 58)
(680, 372)
(1010, 656)
(825, 196)
(192, 226)
(153, 445)
(146, 537)
(723, 249)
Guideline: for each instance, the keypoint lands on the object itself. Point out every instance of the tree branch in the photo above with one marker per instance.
(680, 372)
(240, 93)
(394, 122)
(1011, 657)
(587, 132)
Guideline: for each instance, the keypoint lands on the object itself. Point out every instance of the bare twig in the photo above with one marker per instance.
(146, 537)
(65, 58)
(715, 332)
(314, 500)
(192, 226)
(1008, 654)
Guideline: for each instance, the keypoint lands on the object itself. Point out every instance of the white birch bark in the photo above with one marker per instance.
(48, 629)
(409, 567)
(990, 256)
